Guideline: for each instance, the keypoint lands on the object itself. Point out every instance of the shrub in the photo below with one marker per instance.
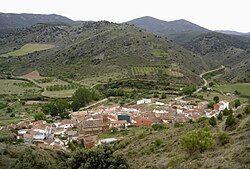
(212, 121)
(177, 124)
(225, 112)
(220, 116)
(197, 140)
(159, 126)
(247, 109)
(230, 121)
(237, 103)
(12, 115)
(223, 139)
(216, 99)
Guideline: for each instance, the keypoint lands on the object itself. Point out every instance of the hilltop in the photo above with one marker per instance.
(179, 31)
(96, 49)
(11, 20)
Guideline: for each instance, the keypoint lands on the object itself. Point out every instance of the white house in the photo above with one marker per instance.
(144, 101)
(222, 105)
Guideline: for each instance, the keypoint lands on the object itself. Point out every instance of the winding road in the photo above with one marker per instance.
(205, 81)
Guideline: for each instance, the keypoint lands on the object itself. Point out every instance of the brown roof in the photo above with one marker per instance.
(93, 123)
(28, 136)
(119, 122)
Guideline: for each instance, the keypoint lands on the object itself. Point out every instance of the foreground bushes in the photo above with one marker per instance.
(197, 140)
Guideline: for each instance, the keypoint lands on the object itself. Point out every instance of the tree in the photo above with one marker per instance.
(211, 105)
(163, 96)
(81, 98)
(212, 121)
(204, 88)
(39, 116)
(230, 121)
(225, 112)
(57, 108)
(211, 84)
(237, 103)
(216, 99)
(197, 140)
(230, 111)
(97, 157)
(189, 90)
(220, 116)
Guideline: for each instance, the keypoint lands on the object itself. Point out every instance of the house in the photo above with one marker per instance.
(144, 121)
(41, 131)
(65, 124)
(222, 105)
(119, 124)
(27, 138)
(203, 105)
(59, 131)
(144, 101)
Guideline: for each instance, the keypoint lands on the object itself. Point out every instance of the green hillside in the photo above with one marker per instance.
(229, 50)
(97, 49)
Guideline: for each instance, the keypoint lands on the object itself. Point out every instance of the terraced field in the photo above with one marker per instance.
(155, 70)
(28, 48)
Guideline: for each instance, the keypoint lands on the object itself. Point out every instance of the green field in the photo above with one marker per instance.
(243, 88)
(18, 87)
(59, 94)
(155, 70)
(29, 48)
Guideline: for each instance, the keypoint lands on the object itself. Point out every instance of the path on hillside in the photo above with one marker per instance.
(89, 106)
(205, 81)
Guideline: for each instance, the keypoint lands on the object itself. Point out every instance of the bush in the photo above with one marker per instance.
(220, 116)
(212, 121)
(197, 140)
(159, 126)
(223, 139)
(178, 124)
(12, 115)
(225, 112)
(230, 121)
(247, 109)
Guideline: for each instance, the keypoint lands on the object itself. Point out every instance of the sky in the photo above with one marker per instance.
(211, 14)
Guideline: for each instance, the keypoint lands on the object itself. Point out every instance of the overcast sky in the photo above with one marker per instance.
(211, 14)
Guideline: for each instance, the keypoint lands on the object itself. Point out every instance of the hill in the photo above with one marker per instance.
(179, 31)
(228, 32)
(11, 20)
(96, 49)
(221, 49)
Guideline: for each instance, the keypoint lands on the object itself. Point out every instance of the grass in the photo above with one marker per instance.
(18, 87)
(59, 94)
(29, 48)
(243, 88)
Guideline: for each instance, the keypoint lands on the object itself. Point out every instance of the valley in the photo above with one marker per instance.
(147, 94)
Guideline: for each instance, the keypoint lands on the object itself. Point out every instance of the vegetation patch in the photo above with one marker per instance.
(242, 89)
(155, 70)
(29, 48)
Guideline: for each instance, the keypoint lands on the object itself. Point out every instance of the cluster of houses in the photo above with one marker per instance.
(85, 126)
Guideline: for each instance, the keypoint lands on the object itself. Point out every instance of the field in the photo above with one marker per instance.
(210, 96)
(243, 88)
(17, 87)
(155, 70)
(29, 48)
(33, 75)
(59, 94)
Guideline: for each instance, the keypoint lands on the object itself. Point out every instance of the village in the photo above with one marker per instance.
(85, 125)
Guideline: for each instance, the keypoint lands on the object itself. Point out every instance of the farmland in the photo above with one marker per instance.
(17, 87)
(28, 48)
(155, 70)
(242, 88)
